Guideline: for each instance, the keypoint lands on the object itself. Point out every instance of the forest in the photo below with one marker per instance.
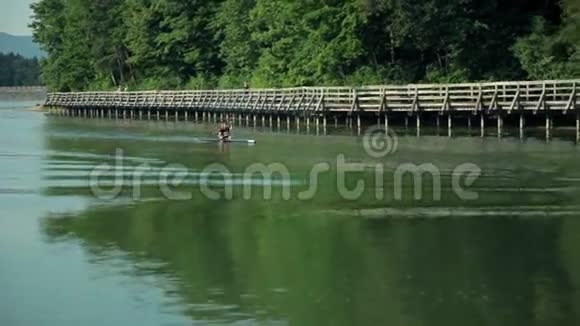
(202, 44)
(16, 70)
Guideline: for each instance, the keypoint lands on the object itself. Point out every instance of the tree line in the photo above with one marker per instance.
(16, 70)
(174, 44)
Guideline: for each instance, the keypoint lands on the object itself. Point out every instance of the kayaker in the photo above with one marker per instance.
(225, 132)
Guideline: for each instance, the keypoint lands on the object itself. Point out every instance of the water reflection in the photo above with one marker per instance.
(507, 259)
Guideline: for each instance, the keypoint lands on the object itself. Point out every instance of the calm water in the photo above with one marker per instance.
(510, 257)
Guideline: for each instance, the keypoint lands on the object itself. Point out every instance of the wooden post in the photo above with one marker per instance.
(418, 118)
(469, 122)
(578, 127)
(386, 121)
(317, 124)
(499, 124)
(278, 122)
(449, 125)
(406, 122)
(166, 115)
(548, 126)
(522, 125)
(288, 122)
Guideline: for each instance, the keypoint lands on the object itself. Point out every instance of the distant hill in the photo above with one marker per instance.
(23, 45)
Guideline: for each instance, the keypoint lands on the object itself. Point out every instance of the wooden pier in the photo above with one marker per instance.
(352, 106)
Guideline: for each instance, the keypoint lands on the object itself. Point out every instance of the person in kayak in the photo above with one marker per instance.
(225, 132)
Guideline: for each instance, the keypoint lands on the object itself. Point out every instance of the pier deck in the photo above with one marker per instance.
(496, 99)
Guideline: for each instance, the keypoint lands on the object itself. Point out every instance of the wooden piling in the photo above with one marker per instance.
(418, 118)
(522, 125)
(548, 126)
(449, 125)
(298, 123)
(578, 127)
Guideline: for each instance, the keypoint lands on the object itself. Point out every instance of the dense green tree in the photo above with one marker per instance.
(16, 70)
(155, 44)
(237, 50)
(552, 51)
(169, 40)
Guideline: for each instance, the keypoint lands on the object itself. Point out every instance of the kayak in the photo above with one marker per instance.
(233, 141)
(242, 141)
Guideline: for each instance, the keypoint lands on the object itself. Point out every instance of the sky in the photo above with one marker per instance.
(15, 16)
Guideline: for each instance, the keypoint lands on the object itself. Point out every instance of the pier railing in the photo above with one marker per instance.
(553, 95)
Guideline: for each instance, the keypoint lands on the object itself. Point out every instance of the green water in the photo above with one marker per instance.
(509, 257)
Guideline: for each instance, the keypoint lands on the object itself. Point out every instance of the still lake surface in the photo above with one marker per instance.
(509, 257)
